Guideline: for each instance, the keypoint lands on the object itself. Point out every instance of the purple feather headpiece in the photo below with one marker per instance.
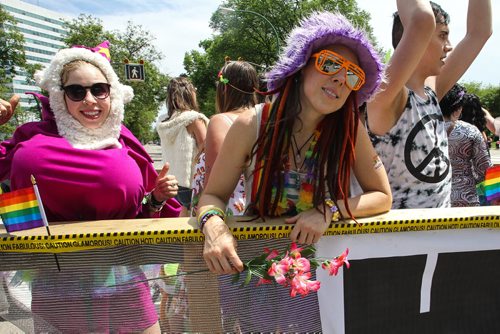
(320, 30)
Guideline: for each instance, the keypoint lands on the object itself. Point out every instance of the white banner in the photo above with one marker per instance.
(412, 281)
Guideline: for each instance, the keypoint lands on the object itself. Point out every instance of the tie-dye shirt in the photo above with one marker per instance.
(415, 155)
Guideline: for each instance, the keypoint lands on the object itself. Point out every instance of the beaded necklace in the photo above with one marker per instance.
(301, 182)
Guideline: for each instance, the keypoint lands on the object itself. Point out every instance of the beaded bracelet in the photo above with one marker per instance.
(208, 213)
(333, 209)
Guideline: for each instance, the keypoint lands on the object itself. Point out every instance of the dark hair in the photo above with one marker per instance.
(181, 96)
(441, 16)
(472, 111)
(239, 91)
(453, 100)
(334, 149)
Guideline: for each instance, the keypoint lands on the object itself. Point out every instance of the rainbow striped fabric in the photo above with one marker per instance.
(492, 183)
(19, 210)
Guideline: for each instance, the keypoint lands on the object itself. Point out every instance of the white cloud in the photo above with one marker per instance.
(178, 29)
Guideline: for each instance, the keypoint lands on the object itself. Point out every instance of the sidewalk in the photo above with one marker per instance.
(495, 156)
(154, 152)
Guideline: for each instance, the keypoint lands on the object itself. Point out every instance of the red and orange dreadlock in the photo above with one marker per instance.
(334, 151)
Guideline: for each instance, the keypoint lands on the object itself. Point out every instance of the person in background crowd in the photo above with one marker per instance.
(404, 120)
(468, 152)
(493, 124)
(235, 94)
(182, 134)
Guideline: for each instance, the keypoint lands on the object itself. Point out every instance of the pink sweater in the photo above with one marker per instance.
(78, 184)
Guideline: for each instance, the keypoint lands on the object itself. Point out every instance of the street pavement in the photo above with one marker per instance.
(495, 156)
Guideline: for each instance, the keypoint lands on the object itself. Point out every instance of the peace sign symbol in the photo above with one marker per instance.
(433, 159)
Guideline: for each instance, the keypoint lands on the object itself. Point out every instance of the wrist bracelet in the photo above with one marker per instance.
(333, 209)
(153, 203)
(208, 213)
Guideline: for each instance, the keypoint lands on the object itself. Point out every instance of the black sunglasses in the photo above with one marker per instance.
(77, 93)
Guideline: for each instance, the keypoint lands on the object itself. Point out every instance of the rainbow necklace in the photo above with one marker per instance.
(301, 182)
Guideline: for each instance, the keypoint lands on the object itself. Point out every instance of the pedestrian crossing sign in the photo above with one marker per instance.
(134, 72)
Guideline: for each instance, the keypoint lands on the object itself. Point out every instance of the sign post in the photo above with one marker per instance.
(134, 72)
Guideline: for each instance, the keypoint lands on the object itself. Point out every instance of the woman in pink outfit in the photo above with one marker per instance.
(88, 166)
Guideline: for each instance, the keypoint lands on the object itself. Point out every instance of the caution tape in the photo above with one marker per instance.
(83, 242)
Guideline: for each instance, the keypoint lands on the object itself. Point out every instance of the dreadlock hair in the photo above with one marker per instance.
(239, 91)
(442, 17)
(472, 111)
(181, 96)
(334, 150)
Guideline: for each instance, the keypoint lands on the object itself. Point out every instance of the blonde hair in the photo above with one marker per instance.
(181, 95)
(74, 65)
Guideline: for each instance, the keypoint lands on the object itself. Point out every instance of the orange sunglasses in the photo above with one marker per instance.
(330, 63)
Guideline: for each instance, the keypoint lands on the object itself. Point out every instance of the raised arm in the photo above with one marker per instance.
(490, 123)
(419, 24)
(479, 30)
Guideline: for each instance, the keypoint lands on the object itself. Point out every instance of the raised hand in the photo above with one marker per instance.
(7, 108)
(166, 186)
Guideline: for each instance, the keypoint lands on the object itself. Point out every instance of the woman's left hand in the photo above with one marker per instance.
(309, 226)
(166, 186)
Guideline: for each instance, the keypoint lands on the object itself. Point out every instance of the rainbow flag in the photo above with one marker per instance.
(19, 210)
(492, 183)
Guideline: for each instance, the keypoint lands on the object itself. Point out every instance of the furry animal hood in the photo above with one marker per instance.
(68, 127)
(171, 127)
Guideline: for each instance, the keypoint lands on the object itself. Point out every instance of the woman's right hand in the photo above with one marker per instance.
(7, 108)
(220, 248)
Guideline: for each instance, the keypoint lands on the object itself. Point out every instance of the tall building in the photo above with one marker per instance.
(43, 32)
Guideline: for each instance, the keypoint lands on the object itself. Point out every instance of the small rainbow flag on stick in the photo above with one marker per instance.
(22, 209)
(19, 210)
(492, 183)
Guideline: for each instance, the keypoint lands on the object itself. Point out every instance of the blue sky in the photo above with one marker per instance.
(179, 25)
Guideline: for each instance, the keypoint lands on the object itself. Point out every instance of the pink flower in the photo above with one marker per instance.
(301, 284)
(343, 258)
(279, 270)
(301, 264)
(271, 253)
(291, 268)
(295, 251)
(263, 281)
(337, 263)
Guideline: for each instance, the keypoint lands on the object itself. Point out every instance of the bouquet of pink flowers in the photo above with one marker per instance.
(291, 268)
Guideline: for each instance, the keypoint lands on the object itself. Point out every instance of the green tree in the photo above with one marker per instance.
(134, 44)
(87, 30)
(488, 94)
(244, 34)
(12, 60)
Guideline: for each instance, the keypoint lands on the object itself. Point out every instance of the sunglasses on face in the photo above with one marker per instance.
(330, 63)
(78, 92)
